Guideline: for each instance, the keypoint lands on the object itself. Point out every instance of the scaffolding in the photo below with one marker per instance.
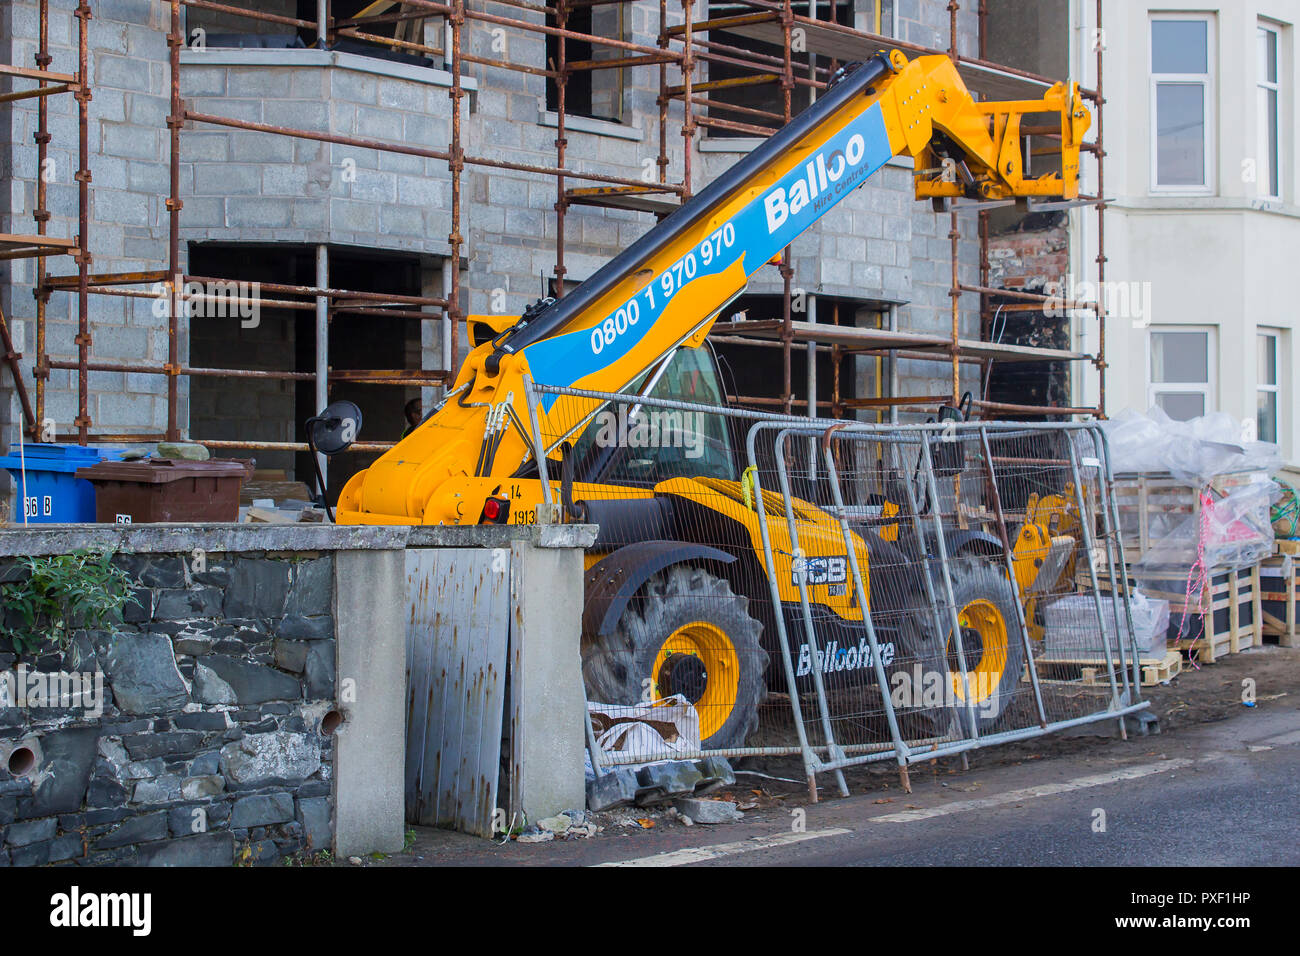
(680, 49)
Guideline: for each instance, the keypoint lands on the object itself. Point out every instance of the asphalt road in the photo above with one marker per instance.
(1230, 810)
(1226, 793)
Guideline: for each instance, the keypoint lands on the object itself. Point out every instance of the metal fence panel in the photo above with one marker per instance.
(459, 619)
(879, 591)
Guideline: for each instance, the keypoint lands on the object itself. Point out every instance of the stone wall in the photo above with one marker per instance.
(210, 748)
(255, 701)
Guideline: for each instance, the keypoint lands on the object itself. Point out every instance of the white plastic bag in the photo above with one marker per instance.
(656, 731)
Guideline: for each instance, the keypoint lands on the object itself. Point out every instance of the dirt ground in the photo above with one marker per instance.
(770, 786)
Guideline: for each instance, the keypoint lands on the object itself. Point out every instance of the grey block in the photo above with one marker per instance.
(311, 588)
(178, 605)
(314, 815)
(275, 757)
(31, 831)
(34, 854)
(205, 785)
(162, 789)
(258, 588)
(208, 849)
(142, 829)
(67, 759)
(319, 671)
(615, 788)
(716, 772)
(252, 683)
(708, 811)
(291, 655)
(142, 673)
(666, 780)
(298, 628)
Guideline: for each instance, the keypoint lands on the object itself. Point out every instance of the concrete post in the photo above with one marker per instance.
(370, 744)
(547, 700)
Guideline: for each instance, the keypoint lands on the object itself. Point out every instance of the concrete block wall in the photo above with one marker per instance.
(128, 147)
(250, 187)
(258, 409)
(258, 187)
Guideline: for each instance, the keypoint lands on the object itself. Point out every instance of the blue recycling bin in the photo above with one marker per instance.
(53, 493)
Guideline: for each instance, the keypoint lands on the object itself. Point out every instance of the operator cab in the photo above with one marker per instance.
(640, 446)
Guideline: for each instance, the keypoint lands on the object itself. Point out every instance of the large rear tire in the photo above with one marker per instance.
(925, 680)
(991, 641)
(920, 652)
(685, 632)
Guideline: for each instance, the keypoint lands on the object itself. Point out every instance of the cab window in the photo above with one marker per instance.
(644, 445)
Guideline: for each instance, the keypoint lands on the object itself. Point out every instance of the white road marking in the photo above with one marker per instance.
(702, 854)
(1030, 793)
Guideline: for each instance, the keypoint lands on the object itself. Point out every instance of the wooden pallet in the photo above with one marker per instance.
(1278, 594)
(1287, 546)
(1094, 671)
(1228, 618)
(1153, 671)
(1231, 607)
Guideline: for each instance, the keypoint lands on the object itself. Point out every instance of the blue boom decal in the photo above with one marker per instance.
(753, 236)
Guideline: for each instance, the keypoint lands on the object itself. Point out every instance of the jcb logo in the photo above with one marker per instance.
(833, 570)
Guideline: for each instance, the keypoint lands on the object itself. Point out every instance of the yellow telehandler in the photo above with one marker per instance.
(678, 600)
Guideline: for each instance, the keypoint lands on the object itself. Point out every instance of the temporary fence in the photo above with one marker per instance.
(845, 592)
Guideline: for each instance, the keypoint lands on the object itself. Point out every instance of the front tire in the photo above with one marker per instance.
(991, 641)
(685, 632)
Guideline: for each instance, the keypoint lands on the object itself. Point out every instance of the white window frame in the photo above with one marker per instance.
(1209, 388)
(1264, 169)
(1206, 81)
(1276, 387)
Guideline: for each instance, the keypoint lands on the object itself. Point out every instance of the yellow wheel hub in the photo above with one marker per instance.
(983, 620)
(715, 652)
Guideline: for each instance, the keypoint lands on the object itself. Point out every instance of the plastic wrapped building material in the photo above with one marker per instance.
(1191, 494)
(1195, 451)
(652, 731)
(1072, 633)
(1229, 526)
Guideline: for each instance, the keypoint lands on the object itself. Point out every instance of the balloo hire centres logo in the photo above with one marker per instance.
(820, 174)
(75, 909)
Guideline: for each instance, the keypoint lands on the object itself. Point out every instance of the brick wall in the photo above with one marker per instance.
(1032, 257)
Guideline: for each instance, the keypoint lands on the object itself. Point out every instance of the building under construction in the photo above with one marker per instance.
(222, 215)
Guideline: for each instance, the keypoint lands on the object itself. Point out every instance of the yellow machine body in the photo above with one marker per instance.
(678, 278)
